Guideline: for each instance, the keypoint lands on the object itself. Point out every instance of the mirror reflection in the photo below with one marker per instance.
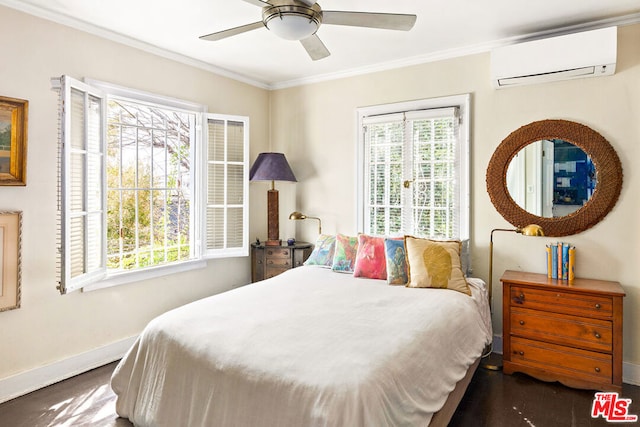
(551, 178)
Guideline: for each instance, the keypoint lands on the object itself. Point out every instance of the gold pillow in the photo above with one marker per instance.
(435, 264)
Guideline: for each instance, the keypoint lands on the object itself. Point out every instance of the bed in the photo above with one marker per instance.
(310, 347)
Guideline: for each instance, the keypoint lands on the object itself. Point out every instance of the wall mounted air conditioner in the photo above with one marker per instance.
(586, 54)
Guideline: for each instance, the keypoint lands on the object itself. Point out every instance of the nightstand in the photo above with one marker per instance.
(269, 261)
(556, 330)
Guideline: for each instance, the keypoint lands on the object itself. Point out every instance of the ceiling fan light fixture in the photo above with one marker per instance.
(292, 22)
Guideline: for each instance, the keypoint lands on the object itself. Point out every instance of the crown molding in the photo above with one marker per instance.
(86, 27)
(354, 72)
(459, 52)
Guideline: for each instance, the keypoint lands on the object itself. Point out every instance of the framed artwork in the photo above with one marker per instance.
(10, 241)
(13, 141)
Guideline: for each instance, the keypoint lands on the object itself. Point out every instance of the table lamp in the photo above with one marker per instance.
(272, 167)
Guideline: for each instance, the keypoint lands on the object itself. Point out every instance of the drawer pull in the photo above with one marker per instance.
(597, 369)
(521, 296)
(597, 335)
(259, 262)
(521, 322)
(521, 353)
(598, 306)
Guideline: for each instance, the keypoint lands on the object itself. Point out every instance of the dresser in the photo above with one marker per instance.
(569, 332)
(269, 261)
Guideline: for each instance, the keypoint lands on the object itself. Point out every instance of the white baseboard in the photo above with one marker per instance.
(630, 371)
(26, 382)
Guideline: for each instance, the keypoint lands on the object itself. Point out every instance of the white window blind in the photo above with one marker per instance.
(227, 186)
(414, 169)
(82, 199)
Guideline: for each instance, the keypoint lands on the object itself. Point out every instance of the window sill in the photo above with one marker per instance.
(150, 273)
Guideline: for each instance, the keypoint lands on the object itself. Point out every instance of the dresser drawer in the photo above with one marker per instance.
(591, 334)
(278, 262)
(274, 271)
(268, 261)
(566, 361)
(586, 305)
(278, 253)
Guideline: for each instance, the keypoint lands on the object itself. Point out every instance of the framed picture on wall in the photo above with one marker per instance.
(10, 241)
(13, 141)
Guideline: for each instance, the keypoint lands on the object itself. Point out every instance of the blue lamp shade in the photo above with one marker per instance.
(271, 167)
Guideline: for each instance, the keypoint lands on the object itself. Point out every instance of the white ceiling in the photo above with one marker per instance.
(444, 28)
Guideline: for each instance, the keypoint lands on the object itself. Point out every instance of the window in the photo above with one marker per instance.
(149, 184)
(228, 178)
(414, 168)
(143, 191)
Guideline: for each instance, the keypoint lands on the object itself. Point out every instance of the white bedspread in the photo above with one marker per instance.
(310, 347)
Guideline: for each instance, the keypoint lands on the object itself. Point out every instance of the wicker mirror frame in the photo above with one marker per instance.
(606, 162)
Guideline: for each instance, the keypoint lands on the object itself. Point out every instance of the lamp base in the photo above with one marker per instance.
(491, 361)
(273, 224)
(491, 367)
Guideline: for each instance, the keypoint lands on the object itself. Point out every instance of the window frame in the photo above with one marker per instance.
(225, 252)
(198, 151)
(463, 103)
(66, 282)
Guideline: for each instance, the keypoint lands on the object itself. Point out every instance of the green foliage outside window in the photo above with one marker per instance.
(148, 206)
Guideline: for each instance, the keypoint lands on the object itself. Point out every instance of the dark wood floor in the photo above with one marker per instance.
(492, 400)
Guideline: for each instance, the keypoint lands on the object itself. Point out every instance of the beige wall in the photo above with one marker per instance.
(50, 327)
(315, 125)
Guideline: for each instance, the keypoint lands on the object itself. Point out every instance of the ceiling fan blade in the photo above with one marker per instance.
(388, 21)
(258, 3)
(315, 48)
(232, 31)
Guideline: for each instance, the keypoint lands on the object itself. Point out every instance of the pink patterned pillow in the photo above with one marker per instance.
(370, 259)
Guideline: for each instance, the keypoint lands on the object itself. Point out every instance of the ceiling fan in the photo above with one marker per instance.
(301, 19)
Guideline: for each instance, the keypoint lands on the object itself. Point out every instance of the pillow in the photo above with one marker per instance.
(344, 257)
(396, 261)
(370, 260)
(435, 264)
(322, 254)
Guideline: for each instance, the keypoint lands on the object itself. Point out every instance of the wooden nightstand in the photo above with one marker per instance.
(569, 332)
(269, 261)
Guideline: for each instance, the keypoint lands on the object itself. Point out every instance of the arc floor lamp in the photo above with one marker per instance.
(300, 216)
(529, 230)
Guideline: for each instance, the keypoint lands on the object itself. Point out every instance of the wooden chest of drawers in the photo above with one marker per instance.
(269, 261)
(569, 332)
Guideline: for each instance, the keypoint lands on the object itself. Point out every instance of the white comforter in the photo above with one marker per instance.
(310, 347)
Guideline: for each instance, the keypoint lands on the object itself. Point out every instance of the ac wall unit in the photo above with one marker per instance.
(586, 54)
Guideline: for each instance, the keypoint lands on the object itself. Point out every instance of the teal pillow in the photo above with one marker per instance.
(322, 254)
(396, 261)
(344, 257)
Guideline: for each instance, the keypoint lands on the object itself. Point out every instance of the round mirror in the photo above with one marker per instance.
(551, 178)
(561, 175)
